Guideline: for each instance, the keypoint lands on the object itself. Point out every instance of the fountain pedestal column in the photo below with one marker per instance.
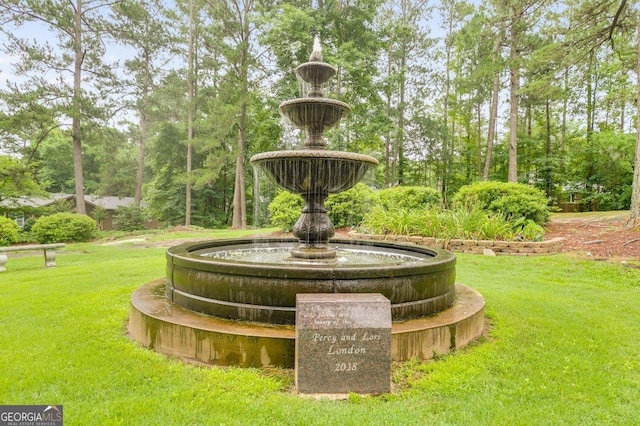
(313, 230)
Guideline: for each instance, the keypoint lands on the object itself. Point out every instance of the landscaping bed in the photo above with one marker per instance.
(596, 236)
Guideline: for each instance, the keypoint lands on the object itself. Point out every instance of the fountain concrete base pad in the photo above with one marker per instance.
(167, 328)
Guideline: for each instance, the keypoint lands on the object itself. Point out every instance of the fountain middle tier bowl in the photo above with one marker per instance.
(314, 170)
(315, 114)
(255, 280)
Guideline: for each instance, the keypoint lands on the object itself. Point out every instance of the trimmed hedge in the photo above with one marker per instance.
(8, 231)
(346, 208)
(285, 210)
(64, 228)
(513, 200)
(349, 207)
(410, 197)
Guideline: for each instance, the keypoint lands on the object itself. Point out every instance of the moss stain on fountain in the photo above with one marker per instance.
(219, 308)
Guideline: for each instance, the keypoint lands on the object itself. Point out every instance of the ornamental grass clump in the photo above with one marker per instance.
(469, 223)
(461, 223)
(392, 222)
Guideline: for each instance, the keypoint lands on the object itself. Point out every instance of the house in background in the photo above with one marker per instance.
(22, 208)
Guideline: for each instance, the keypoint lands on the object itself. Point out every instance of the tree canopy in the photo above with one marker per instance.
(166, 101)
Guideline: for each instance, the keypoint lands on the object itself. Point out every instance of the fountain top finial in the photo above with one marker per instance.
(316, 55)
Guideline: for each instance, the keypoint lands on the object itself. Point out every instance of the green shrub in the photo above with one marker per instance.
(410, 197)
(285, 210)
(513, 200)
(8, 231)
(129, 218)
(64, 227)
(348, 208)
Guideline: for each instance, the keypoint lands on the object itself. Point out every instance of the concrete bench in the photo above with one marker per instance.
(49, 253)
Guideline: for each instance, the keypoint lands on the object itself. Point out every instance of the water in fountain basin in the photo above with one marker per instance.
(345, 256)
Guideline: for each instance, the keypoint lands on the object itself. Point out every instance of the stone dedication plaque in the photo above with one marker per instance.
(343, 343)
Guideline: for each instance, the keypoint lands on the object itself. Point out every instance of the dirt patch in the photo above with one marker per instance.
(603, 238)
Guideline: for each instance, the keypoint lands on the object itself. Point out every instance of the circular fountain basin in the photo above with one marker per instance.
(314, 170)
(167, 328)
(253, 280)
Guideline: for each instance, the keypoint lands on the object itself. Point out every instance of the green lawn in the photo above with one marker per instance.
(563, 348)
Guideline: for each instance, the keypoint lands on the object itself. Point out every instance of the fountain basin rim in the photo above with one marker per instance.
(186, 255)
(320, 154)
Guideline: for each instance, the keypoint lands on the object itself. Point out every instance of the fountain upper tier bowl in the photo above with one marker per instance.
(314, 171)
(248, 279)
(316, 73)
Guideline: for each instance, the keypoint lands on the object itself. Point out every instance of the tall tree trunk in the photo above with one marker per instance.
(547, 173)
(447, 142)
(140, 166)
(401, 111)
(143, 133)
(140, 170)
(493, 115)
(514, 86)
(565, 102)
(479, 132)
(239, 216)
(239, 220)
(590, 96)
(634, 212)
(191, 107)
(76, 136)
(387, 147)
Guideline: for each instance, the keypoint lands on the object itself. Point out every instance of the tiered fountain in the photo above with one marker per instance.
(232, 302)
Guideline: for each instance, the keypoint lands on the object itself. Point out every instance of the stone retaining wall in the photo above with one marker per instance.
(514, 248)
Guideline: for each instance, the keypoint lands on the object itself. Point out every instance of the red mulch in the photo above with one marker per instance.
(602, 239)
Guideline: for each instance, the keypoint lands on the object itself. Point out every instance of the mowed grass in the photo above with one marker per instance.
(562, 348)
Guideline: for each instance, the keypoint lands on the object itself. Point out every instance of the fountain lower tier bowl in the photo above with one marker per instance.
(255, 280)
(314, 171)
